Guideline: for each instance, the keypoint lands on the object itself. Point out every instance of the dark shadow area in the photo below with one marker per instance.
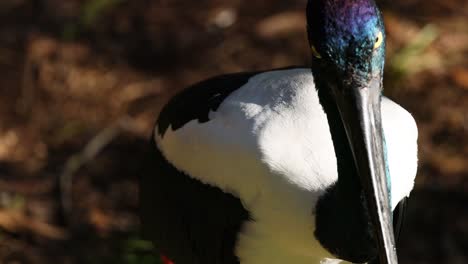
(436, 229)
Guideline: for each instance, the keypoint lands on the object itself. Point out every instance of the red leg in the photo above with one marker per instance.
(165, 260)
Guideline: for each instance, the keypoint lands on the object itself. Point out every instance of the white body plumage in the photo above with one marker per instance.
(269, 144)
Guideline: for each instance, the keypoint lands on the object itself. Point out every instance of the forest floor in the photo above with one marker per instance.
(82, 81)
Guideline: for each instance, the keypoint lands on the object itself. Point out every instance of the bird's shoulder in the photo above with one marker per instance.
(197, 102)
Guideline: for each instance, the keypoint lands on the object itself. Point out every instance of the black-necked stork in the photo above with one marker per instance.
(295, 165)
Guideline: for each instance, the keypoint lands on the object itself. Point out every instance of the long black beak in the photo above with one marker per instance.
(362, 120)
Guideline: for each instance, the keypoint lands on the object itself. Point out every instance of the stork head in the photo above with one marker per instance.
(347, 41)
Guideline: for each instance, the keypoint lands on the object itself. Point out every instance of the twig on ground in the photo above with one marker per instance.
(88, 153)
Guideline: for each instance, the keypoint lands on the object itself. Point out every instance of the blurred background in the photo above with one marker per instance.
(81, 83)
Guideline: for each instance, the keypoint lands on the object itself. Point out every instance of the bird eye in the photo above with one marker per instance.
(315, 52)
(378, 40)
